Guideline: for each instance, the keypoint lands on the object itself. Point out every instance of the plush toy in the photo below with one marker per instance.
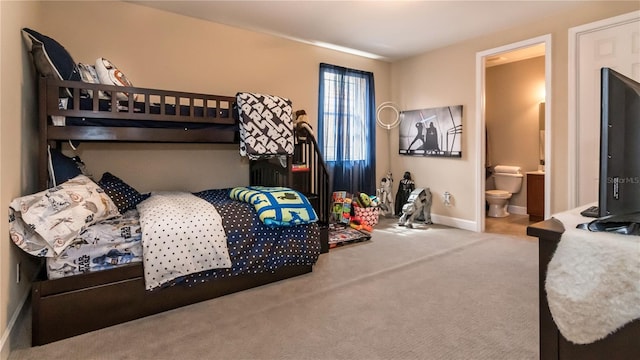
(419, 203)
(362, 200)
(301, 122)
(360, 224)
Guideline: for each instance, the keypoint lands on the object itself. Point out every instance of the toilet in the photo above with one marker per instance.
(508, 181)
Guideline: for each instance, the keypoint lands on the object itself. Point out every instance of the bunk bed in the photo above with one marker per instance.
(77, 304)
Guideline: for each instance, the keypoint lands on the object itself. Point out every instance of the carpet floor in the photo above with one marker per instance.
(431, 292)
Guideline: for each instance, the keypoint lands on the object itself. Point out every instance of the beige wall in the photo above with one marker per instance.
(512, 101)
(447, 76)
(17, 156)
(156, 49)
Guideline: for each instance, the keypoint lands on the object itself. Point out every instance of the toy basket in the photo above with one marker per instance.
(368, 214)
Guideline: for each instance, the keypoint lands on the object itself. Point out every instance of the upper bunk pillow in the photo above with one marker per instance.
(51, 58)
(109, 74)
(89, 75)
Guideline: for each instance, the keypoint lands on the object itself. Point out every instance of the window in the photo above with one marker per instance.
(346, 121)
(345, 109)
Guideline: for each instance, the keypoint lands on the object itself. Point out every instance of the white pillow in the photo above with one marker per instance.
(45, 223)
(89, 75)
(109, 74)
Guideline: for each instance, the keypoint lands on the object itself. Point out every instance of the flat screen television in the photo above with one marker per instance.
(619, 181)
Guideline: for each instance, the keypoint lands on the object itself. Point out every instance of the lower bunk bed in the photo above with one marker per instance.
(99, 280)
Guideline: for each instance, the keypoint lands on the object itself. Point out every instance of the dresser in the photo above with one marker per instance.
(624, 344)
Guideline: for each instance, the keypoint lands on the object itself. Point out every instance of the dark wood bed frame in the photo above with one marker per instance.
(70, 306)
(621, 345)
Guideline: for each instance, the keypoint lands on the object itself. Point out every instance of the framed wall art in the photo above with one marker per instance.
(431, 132)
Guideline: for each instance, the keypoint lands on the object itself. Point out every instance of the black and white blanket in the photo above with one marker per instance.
(181, 234)
(266, 125)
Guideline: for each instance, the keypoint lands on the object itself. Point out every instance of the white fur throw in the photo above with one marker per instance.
(593, 281)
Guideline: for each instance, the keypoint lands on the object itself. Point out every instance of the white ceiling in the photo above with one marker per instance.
(387, 30)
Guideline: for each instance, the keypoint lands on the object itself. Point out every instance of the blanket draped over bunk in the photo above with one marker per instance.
(266, 125)
(181, 234)
(593, 281)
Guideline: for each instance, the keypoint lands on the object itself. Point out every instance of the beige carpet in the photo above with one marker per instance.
(426, 293)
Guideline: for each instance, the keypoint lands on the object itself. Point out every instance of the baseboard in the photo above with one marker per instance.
(518, 210)
(454, 222)
(8, 335)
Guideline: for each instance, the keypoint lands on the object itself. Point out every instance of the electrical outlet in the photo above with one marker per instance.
(447, 198)
(18, 273)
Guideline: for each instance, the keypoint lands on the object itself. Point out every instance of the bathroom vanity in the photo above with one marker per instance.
(535, 195)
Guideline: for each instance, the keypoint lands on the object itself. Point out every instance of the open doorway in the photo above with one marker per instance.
(537, 161)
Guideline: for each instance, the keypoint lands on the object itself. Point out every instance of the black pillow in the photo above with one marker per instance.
(61, 167)
(123, 195)
(51, 58)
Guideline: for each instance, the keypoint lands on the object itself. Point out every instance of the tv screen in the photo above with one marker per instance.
(619, 192)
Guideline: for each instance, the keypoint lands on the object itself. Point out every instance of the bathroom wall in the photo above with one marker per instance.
(513, 95)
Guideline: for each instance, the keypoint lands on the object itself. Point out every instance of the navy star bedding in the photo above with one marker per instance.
(252, 246)
(255, 247)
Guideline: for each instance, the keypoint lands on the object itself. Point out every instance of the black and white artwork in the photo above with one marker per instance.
(431, 132)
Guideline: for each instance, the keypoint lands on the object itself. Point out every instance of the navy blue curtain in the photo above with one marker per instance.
(347, 127)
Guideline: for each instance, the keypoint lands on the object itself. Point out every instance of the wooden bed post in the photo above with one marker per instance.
(43, 171)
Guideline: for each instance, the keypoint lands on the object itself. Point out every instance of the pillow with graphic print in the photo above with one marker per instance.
(89, 75)
(45, 223)
(109, 74)
(122, 194)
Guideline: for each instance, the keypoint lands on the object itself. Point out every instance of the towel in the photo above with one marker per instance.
(506, 169)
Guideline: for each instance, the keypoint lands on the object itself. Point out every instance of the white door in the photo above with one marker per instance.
(616, 46)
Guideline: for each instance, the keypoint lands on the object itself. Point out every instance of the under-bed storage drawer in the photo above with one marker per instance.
(66, 311)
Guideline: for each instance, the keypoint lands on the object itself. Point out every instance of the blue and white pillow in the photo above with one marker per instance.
(62, 167)
(51, 58)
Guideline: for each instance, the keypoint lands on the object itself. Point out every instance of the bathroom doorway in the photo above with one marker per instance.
(513, 118)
